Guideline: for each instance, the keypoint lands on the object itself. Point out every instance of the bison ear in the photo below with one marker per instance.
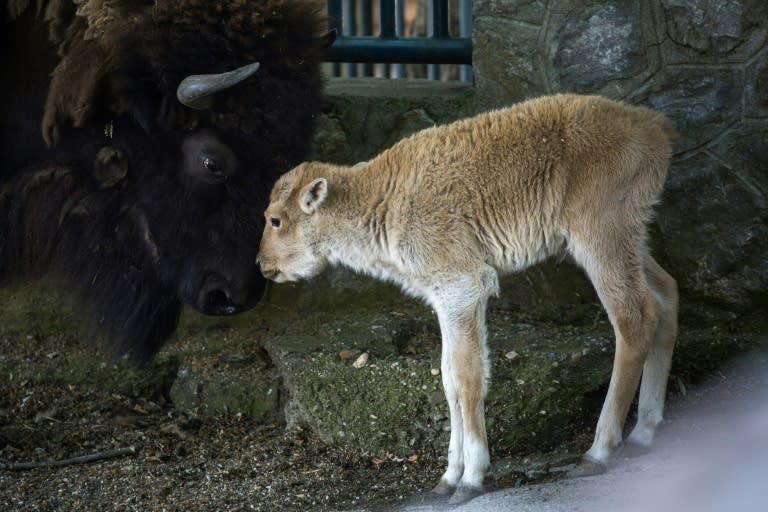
(328, 38)
(110, 167)
(313, 195)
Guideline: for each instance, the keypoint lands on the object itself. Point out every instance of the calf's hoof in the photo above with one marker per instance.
(426, 501)
(443, 489)
(464, 494)
(632, 449)
(588, 467)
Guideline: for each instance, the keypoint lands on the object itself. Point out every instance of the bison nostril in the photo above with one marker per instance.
(217, 302)
(218, 295)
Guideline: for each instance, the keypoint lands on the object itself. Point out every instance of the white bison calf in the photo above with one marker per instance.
(446, 210)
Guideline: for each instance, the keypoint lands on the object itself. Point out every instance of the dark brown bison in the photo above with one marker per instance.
(140, 139)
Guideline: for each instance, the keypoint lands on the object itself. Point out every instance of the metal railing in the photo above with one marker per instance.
(416, 38)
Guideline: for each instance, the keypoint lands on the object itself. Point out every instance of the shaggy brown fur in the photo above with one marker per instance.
(141, 201)
(101, 39)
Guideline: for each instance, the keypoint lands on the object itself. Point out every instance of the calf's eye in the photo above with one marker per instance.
(275, 222)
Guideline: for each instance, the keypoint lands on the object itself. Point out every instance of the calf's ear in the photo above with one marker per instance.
(313, 195)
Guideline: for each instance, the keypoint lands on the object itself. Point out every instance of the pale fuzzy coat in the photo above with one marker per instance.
(446, 210)
(508, 187)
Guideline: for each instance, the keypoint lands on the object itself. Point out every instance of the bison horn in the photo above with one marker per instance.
(195, 90)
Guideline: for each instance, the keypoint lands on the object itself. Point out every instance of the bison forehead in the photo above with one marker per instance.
(257, 18)
(135, 53)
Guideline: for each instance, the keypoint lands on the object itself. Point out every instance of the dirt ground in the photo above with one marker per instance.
(171, 460)
(160, 458)
(184, 463)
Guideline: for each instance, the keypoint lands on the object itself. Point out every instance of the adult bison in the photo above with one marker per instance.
(140, 140)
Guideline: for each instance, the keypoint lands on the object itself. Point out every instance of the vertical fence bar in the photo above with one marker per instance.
(465, 30)
(387, 18)
(366, 29)
(398, 70)
(334, 12)
(349, 20)
(433, 70)
(387, 23)
(439, 18)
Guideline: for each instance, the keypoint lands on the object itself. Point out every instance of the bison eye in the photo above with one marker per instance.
(206, 160)
(275, 222)
(215, 167)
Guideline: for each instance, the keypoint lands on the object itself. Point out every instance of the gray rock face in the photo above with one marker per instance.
(756, 91)
(703, 103)
(704, 63)
(706, 25)
(599, 44)
(717, 236)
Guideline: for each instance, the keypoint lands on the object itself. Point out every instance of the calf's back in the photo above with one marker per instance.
(517, 182)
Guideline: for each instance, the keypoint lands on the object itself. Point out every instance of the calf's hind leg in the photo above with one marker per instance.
(653, 387)
(617, 274)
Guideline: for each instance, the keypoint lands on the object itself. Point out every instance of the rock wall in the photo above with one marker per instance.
(702, 62)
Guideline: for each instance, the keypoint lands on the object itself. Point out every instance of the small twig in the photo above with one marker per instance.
(91, 457)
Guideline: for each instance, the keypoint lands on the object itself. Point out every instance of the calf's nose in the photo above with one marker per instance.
(266, 270)
(269, 273)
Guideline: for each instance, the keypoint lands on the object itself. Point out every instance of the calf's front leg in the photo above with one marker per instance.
(465, 371)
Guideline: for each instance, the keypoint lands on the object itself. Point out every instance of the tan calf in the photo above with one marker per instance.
(443, 212)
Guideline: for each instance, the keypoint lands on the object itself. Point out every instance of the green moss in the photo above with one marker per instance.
(385, 406)
(151, 380)
(34, 309)
(221, 393)
(541, 396)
